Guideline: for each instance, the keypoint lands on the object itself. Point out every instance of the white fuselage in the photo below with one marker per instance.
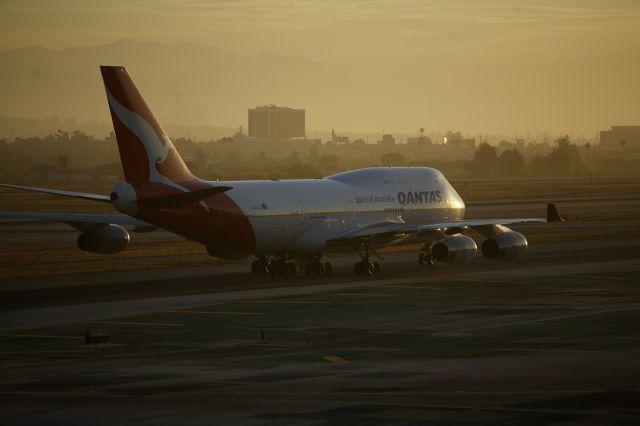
(301, 215)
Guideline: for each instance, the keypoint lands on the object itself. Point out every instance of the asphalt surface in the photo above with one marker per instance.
(553, 338)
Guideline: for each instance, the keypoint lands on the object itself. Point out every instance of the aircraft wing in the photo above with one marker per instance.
(78, 220)
(83, 195)
(388, 231)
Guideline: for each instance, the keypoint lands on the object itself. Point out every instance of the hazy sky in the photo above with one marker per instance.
(342, 30)
(492, 64)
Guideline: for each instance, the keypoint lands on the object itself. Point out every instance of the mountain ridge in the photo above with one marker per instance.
(192, 83)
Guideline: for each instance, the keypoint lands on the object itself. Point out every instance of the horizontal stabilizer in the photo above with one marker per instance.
(83, 195)
(183, 198)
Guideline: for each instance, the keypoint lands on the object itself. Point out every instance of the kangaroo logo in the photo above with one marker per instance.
(165, 165)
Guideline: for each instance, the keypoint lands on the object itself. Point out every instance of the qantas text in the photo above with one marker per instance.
(424, 197)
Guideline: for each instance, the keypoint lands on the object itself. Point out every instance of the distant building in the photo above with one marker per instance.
(387, 140)
(455, 140)
(338, 140)
(461, 144)
(419, 141)
(620, 137)
(273, 122)
(505, 145)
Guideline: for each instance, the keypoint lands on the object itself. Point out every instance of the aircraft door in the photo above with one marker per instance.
(351, 214)
(302, 219)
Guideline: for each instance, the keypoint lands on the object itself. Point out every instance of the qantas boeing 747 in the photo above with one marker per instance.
(284, 224)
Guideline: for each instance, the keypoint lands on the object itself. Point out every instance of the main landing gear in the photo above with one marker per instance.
(276, 266)
(282, 265)
(317, 268)
(426, 256)
(365, 266)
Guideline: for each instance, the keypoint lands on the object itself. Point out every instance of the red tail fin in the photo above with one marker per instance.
(146, 152)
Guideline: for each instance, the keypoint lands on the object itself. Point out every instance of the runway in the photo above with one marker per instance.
(11, 320)
(552, 338)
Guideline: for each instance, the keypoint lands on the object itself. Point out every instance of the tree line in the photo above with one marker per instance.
(75, 153)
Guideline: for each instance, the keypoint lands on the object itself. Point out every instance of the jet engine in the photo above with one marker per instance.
(104, 239)
(456, 249)
(505, 246)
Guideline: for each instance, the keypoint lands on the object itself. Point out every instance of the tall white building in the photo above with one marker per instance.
(273, 122)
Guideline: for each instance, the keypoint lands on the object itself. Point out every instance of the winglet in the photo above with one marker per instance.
(552, 214)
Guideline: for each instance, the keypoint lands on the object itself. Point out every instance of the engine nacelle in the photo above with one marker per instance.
(505, 246)
(104, 239)
(456, 249)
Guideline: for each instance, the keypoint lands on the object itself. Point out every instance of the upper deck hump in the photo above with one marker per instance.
(379, 176)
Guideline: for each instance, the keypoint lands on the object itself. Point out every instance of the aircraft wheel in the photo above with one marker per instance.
(291, 268)
(277, 268)
(425, 259)
(376, 268)
(369, 269)
(255, 267)
(317, 269)
(365, 268)
(328, 269)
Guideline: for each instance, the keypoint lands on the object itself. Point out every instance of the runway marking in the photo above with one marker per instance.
(42, 336)
(581, 314)
(495, 281)
(134, 323)
(413, 286)
(302, 302)
(49, 351)
(607, 277)
(543, 350)
(360, 294)
(427, 327)
(217, 312)
(335, 359)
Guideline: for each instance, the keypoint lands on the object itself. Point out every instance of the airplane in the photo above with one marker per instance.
(286, 225)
